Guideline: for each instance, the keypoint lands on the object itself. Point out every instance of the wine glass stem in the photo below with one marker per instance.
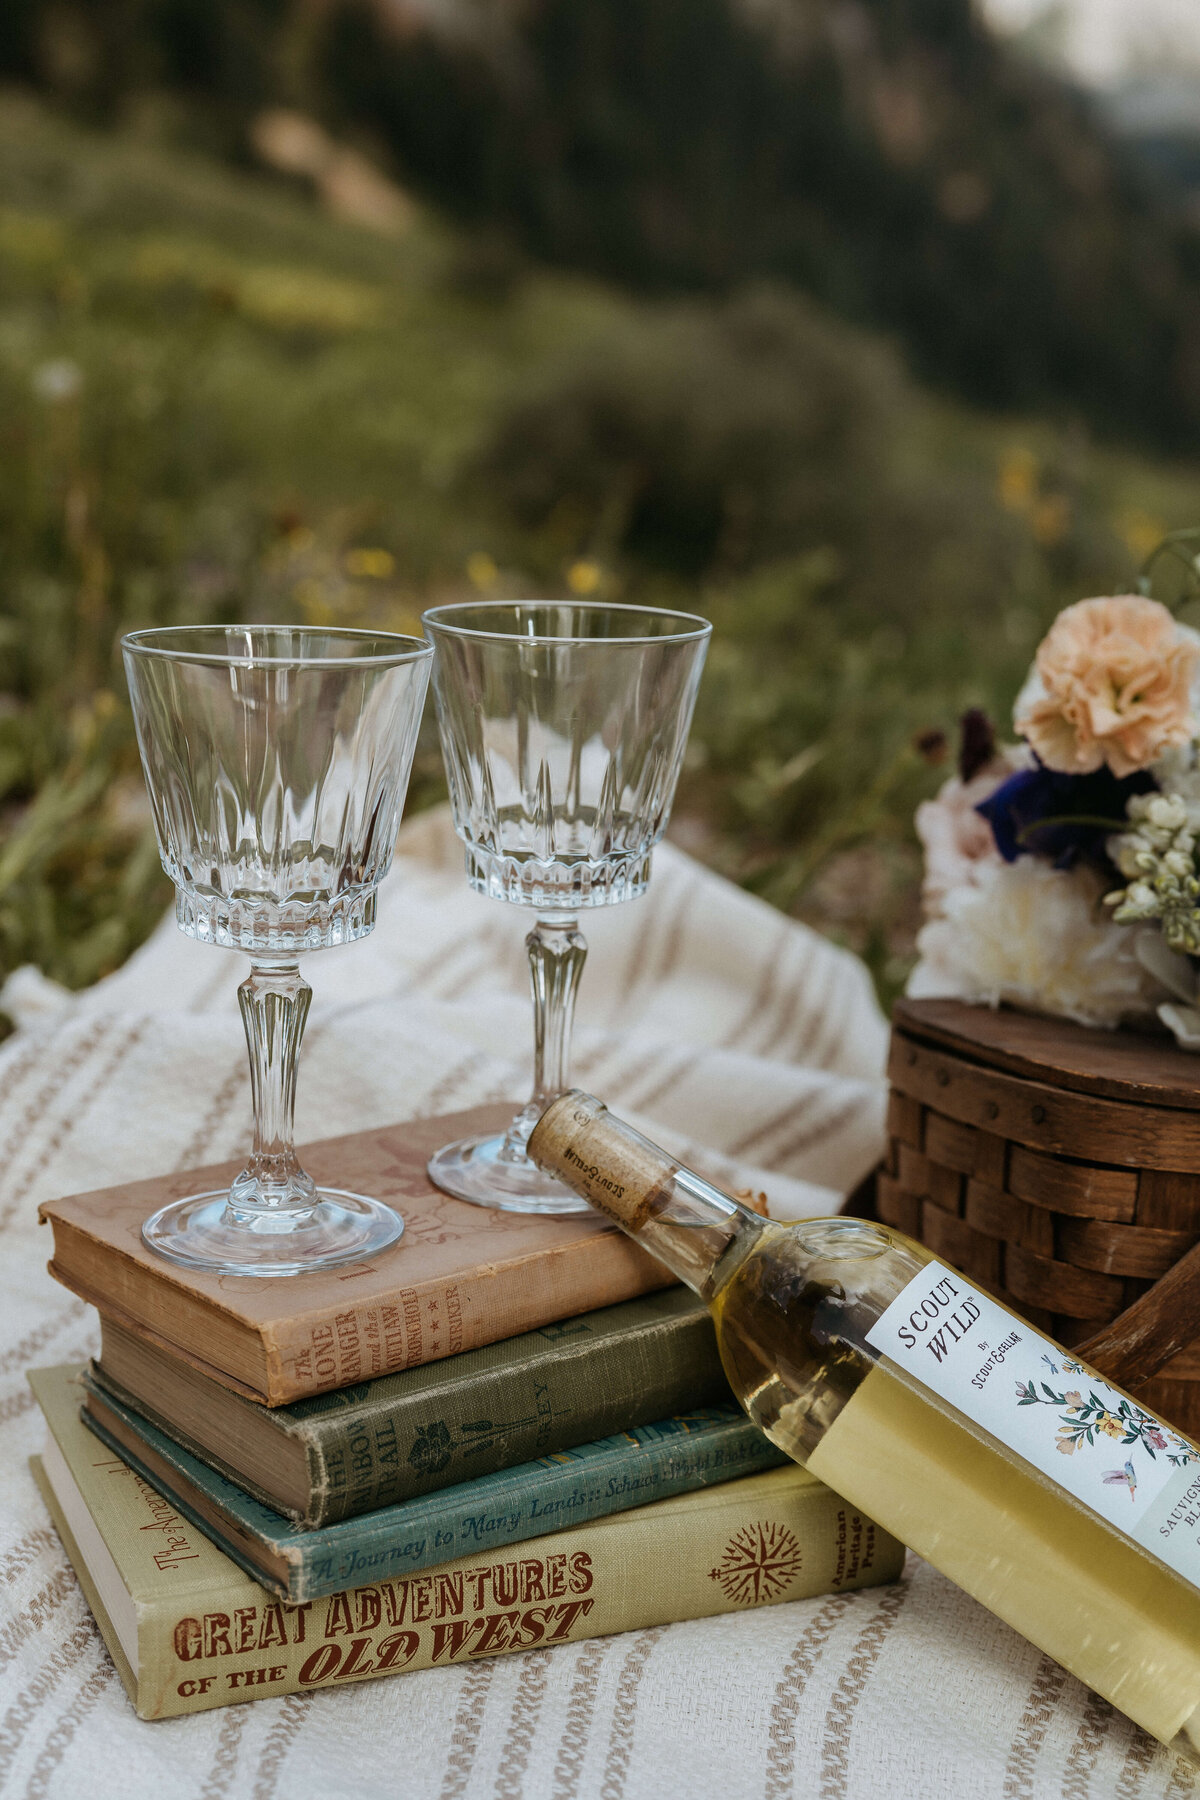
(557, 951)
(274, 1000)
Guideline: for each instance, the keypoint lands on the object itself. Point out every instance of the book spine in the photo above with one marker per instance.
(315, 1353)
(559, 1394)
(613, 1475)
(750, 1543)
(652, 1462)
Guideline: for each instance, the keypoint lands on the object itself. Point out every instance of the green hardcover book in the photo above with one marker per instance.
(648, 1463)
(189, 1630)
(380, 1442)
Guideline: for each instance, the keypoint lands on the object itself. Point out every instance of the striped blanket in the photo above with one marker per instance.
(738, 1035)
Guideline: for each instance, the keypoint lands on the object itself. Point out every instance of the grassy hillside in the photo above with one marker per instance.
(215, 402)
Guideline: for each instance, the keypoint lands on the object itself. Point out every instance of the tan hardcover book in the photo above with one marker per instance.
(188, 1630)
(461, 1275)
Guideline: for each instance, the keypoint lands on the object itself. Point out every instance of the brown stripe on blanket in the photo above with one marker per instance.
(581, 1704)
(522, 1727)
(759, 1135)
(73, 1119)
(63, 1069)
(26, 1551)
(1044, 1695)
(785, 1708)
(20, 1063)
(35, 1341)
(818, 1011)
(817, 1133)
(766, 987)
(620, 1739)
(455, 967)
(839, 1720)
(1094, 1727)
(671, 1073)
(67, 1724)
(672, 943)
(1182, 1785)
(465, 1732)
(624, 1078)
(195, 1151)
(225, 1758)
(26, 1706)
(645, 924)
(1136, 1766)
(17, 1630)
(20, 1400)
(442, 1092)
(293, 1713)
(1138, 1758)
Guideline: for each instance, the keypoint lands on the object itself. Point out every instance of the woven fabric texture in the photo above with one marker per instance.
(735, 1033)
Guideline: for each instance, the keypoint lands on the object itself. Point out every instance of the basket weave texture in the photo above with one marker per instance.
(1059, 1168)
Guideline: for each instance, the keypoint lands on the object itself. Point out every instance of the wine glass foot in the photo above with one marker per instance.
(206, 1232)
(473, 1169)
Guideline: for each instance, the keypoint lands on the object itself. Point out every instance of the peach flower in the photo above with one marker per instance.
(1111, 684)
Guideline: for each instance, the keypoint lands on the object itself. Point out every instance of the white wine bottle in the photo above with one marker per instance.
(1042, 1490)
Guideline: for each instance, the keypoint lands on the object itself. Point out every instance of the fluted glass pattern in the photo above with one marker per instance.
(563, 727)
(277, 761)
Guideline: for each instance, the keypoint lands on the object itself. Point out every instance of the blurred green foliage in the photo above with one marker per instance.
(890, 158)
(215, 402)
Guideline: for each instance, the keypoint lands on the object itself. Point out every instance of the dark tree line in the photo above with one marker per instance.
(887, 156)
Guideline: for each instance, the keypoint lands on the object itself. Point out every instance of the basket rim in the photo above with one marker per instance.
(1132, 1066)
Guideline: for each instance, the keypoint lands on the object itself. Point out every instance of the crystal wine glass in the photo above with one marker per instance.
(277, 760)
(563, 727)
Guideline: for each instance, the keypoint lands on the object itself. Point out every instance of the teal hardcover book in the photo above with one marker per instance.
(650, 1462)
(377, 1443)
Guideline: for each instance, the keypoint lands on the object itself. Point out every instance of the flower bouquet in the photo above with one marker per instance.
(1063, 872)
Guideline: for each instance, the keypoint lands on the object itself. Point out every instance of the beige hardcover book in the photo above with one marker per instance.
(188, 1630)
(461, 1275)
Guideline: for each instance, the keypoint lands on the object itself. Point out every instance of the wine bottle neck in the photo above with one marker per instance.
(700, 1233)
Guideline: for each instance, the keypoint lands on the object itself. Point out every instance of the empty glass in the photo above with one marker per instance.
(277, 760)
(563, 728)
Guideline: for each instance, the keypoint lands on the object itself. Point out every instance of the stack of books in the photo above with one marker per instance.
(505, 1431)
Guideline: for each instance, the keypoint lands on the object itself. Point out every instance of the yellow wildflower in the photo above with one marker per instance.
(584, 577)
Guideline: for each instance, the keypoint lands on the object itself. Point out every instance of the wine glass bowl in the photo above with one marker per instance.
(563, 728)
(277, 760)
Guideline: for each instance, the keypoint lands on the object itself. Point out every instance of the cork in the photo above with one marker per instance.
(610, 1164)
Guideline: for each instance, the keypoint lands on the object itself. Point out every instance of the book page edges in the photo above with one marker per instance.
(112, 1644)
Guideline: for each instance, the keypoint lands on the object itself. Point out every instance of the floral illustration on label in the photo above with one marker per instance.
(759, 1563)
(1083, 1419)
(1126, 1475)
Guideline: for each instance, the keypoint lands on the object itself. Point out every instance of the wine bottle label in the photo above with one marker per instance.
(1030, 1395)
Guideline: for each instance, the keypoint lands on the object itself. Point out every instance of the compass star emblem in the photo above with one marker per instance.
(759, 1563)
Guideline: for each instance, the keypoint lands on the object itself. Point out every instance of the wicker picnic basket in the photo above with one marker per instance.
(1059, 1168)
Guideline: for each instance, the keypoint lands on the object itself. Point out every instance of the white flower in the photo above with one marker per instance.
(1177, 772)
(1036, 937)
(1166, 811)
(958, 841)
(1177, 975)
(1157, 858)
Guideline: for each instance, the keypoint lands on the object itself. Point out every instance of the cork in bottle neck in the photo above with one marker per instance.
(611, 1165)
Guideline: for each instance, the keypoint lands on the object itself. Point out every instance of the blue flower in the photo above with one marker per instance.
(1063, 818)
